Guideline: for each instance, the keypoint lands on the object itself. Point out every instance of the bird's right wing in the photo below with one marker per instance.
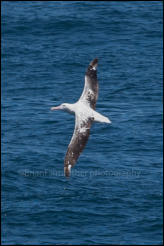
(90, 91)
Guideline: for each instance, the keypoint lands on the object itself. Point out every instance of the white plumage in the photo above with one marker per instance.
(85, 115)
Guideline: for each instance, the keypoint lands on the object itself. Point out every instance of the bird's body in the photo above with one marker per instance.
(84, 112)
(85, 115)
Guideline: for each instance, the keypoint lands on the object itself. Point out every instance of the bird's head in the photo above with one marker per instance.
(64, 106)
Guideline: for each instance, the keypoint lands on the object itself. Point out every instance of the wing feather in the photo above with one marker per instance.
(77, 143)
(90, 91)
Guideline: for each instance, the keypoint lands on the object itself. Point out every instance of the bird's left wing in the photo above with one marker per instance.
(78, 142)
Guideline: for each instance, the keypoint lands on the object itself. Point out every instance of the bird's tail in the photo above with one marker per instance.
(100, 118)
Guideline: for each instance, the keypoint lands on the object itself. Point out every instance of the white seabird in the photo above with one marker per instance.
(85, 115)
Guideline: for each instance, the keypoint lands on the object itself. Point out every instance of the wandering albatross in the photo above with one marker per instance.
(85, 115)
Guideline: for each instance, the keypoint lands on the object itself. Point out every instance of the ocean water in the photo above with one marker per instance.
(114, 195)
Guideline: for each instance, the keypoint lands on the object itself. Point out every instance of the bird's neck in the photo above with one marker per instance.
(70, 108)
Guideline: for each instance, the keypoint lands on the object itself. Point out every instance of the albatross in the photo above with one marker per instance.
(85, 115)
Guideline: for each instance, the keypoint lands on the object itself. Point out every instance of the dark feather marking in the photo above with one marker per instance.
(90, 92)
(80, 138)
(77, 144)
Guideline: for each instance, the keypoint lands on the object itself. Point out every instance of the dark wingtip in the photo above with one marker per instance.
(94, 63)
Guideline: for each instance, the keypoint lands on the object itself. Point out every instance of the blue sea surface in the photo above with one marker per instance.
(114, 195)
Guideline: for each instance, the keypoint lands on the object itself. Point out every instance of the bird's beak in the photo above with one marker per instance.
(56, 108)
